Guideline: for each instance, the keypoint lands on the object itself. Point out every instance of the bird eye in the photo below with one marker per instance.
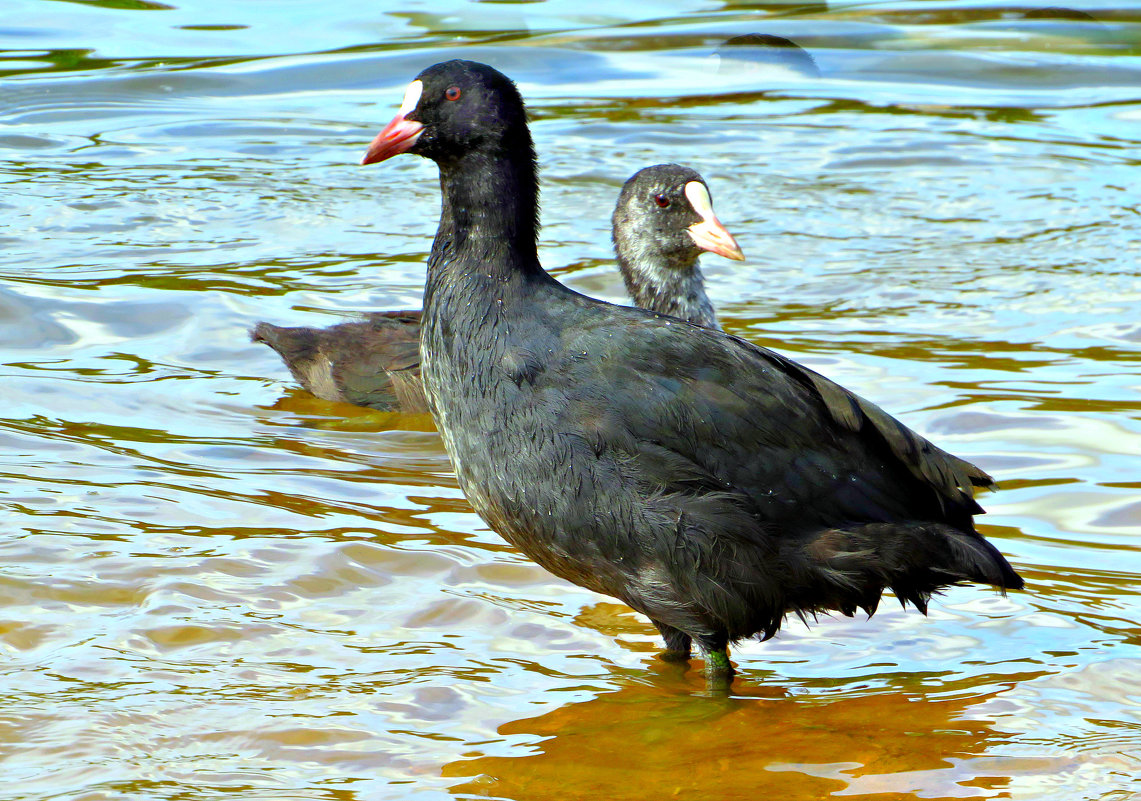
(662, 201)
(452, 93)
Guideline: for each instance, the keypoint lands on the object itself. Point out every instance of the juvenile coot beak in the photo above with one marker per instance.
(399, 135)
(710, 234)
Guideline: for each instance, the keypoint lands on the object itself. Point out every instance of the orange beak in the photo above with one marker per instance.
(710, 234)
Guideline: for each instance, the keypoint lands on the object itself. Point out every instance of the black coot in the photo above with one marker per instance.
(663, 221)
(711, 484)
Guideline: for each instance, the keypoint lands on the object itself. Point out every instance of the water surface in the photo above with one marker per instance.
(215, 585)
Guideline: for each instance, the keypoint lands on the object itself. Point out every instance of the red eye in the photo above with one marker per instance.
(453, 93)
(662, 201)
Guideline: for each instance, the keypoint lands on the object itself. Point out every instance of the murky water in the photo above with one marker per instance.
(214, 585)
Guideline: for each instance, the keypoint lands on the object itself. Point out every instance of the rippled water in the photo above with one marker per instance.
(214, 585)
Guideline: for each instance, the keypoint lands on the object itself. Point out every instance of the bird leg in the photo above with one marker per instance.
(678, 643)
(715, 649)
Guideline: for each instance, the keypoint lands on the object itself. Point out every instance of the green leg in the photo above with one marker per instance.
(716, 651)
(718, 664)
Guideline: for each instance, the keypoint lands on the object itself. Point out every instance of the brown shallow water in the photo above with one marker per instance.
(213, 585)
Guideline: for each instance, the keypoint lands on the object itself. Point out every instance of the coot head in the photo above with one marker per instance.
(663, 221)
(667, 211)
(451, 110)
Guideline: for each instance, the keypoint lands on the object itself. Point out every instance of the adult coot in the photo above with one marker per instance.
(663, 221)
(711, 484)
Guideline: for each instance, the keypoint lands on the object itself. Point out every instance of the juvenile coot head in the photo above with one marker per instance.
(667, 210)
(663, 221)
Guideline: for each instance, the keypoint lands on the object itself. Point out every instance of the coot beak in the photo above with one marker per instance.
(399, 135)
(710, 234)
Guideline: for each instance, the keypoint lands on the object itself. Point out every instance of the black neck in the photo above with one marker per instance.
(489, 215)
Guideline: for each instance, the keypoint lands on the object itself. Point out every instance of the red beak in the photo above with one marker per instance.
(396, 138)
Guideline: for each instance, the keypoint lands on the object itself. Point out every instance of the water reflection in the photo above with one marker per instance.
(789, 7)
(1058, 12)
(657, 737)
(757, 52)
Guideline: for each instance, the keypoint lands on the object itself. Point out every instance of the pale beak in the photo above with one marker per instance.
(399, 135)
(710, 234)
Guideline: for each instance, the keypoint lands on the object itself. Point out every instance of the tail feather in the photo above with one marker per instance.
(853, 567)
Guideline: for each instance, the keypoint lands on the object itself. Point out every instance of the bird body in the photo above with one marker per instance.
(709, 483)
(721, 488)
(372, 362)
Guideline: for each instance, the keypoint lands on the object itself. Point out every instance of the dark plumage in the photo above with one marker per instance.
(373, 362)
(663, 221)
(709, 483)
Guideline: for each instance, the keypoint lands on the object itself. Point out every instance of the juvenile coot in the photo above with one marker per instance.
(711, 484)
(373, 362)
(663, 221)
